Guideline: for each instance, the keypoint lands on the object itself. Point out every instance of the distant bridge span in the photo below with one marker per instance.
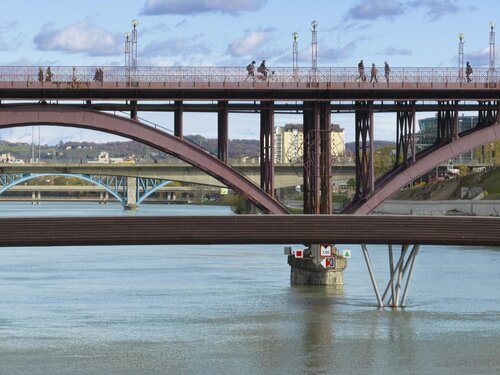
(88, 119)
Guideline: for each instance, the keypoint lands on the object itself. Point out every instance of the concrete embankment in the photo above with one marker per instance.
(444, 207)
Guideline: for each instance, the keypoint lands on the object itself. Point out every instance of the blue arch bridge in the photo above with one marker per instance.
(129, 191)
(72, 98)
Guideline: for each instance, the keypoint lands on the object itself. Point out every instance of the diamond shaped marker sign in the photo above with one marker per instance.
(328, 262)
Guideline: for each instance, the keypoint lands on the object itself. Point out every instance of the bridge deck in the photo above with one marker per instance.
(225, 83)
(250, 229)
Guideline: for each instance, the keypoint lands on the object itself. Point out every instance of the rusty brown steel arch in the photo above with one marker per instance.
(89, 119)
(425, 164)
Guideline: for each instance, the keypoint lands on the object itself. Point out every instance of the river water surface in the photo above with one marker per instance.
(231, 309)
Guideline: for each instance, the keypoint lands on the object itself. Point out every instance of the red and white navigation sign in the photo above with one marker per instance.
(325, 251)
(328, 262)
(299, 253)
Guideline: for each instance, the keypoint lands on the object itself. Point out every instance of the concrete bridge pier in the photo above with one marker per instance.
(314, 269)
(131, 198)
(36, 197)
(103, 197)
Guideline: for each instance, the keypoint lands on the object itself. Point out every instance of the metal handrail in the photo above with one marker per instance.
(208, 74)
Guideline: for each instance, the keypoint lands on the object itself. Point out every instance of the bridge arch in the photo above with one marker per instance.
(79, 176)
(67, 116)
(147, 190)
(442, 154)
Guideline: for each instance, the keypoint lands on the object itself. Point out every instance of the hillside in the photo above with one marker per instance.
(465, 187)
(351, 146)
(71, 152)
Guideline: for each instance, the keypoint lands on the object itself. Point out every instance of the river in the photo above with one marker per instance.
(231, 309)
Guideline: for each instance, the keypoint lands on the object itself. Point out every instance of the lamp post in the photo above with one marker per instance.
(461, 56)
(134, 43)
(492, 50)
(127, 49)
(314, 49)
(295, 60)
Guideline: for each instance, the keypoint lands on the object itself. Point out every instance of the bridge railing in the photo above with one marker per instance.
(172, 74)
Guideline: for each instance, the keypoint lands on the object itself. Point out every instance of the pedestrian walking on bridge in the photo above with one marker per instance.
(373, 73)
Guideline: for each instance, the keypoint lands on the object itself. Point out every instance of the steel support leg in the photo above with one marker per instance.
(391, 271)
(372, 275)
(410, 274)
(312, 170)
(267, 147)
(405, 132)
(222, 132)
(447, 122)
(365, 176)
(488, 113)
(178, 119)
(133, 109)
(397, 275)
(326, 159)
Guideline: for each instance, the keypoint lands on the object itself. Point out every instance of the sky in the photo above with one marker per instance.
(406, 33)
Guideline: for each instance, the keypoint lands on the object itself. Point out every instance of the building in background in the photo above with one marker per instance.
(289, 143)
(428, 134)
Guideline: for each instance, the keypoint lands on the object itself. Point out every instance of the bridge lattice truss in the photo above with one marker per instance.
(117, 186)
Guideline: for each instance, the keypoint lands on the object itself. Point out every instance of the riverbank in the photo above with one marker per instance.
(441, 207)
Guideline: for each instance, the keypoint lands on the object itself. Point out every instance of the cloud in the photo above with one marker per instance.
(436, 9)
(332, 55)
(79, 37)
(392, 51)
(478, 58)
(249, 44)
(175, 47)
(27, 62)
(193, 7)
(373, 9)
(7, 41)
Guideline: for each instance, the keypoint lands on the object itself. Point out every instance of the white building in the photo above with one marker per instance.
(289, 141)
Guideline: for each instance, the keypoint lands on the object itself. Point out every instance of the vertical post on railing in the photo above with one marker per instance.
(461, 56)
(127, 56)
(134, 43)
(295, 55)
(314, 50)
(491, 72)
(127, 49)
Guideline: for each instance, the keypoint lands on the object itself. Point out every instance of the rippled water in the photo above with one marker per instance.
(231, 310)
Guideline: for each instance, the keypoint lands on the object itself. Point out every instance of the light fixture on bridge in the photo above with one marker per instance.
(461, 42)
(295, 60)
(127, 49)
(314, 49)
(134, 43)
(491, 72)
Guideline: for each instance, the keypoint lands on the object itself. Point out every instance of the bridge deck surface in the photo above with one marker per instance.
(250, 229)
